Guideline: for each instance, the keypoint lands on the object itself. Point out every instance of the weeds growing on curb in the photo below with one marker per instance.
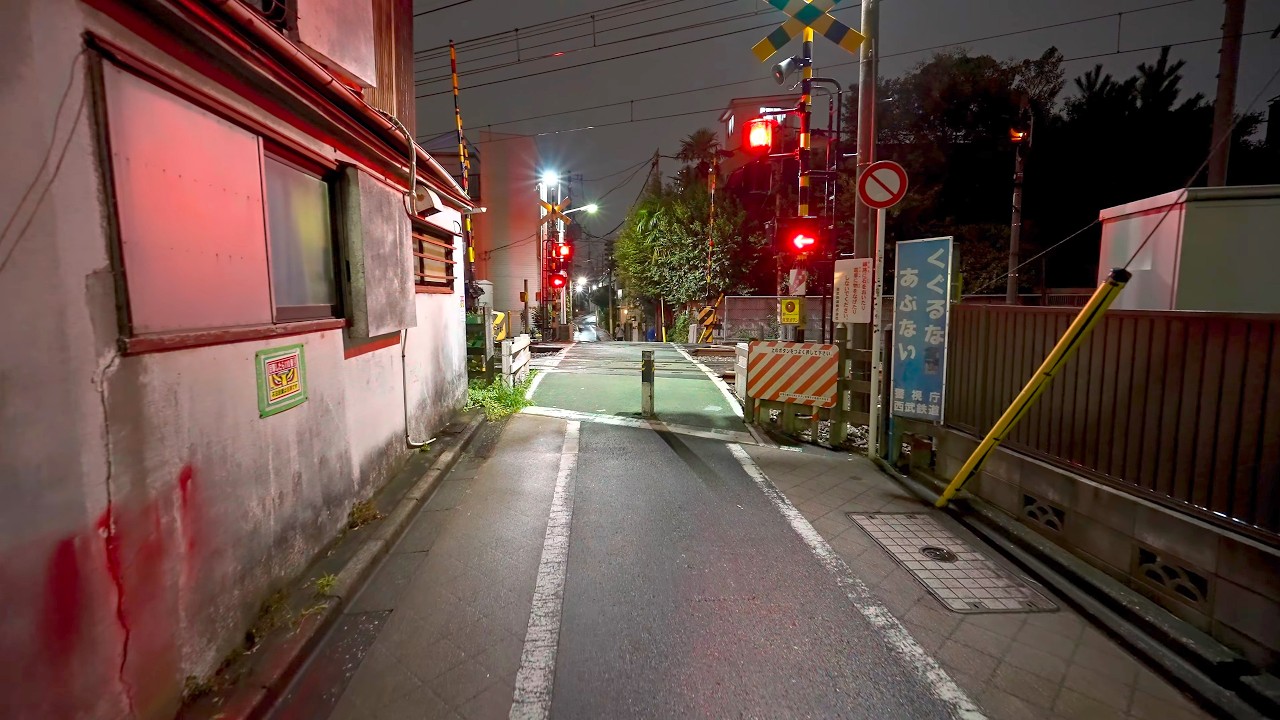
(362, 513)
(496, 399)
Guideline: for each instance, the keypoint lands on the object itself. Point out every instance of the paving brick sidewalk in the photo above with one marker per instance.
(1016, 665)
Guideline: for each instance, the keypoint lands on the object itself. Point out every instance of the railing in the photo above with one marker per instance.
(516, 355)
(1180, 407)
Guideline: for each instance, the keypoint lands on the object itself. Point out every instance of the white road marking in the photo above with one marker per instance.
(536, 678)
(893, 631)
(716, 379)
(543, 368)
(657, 425)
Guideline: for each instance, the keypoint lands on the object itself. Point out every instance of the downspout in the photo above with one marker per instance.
(404, 386)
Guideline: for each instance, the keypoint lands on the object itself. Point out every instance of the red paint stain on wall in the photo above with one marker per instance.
(63, 601)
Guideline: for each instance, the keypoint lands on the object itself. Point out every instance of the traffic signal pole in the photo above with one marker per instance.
(802, 153)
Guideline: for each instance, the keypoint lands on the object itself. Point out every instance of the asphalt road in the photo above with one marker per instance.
(689, 595)
(578, 569)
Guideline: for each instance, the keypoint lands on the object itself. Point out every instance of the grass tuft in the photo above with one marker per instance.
(496, 399)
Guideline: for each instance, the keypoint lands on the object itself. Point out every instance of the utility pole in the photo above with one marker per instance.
(1225, 101)
(867, 60)
(1015, 228)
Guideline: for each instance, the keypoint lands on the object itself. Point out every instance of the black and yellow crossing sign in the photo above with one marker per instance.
(807, 14)
(709, 320)
(556, 212)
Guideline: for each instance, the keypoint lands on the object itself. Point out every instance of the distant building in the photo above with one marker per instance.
(222, 323)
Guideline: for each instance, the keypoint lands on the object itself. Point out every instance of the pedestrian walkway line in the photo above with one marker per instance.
(890, 628)
(542, 368)
(731, 436)
(715, 379)
(759, 437)
(536, 678)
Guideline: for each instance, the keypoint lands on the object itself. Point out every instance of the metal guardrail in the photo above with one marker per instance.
(1179, 407)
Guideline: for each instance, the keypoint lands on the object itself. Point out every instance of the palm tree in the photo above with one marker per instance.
(699, 151)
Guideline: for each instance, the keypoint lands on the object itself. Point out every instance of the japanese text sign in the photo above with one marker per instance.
(282, 379)
(921, 306)
(853, 280)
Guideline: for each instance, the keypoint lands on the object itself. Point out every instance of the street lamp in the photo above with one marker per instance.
(589, 209)
(550, 178)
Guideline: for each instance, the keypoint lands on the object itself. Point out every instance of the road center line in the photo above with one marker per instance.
(536, 678)
(889, 627)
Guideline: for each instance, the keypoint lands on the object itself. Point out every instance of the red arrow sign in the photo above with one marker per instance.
(882, 185)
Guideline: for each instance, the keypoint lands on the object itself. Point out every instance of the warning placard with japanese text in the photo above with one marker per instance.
(282, 379)
(921, 307)
(853, 290)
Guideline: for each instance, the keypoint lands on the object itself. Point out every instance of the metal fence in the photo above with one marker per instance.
(1180, 407)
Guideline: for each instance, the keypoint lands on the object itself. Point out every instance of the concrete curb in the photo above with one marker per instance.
(1200, 665)
(280, 655)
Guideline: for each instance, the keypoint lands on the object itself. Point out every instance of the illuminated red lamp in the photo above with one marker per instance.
(1017, 135)
(559, 280)
(759, 134)
(564, 251)
(802, 242)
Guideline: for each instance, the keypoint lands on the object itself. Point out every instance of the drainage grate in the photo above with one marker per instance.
(960, 577)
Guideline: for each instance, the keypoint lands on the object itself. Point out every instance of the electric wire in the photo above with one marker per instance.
(852, 62)
(855, 62)
(57, 168)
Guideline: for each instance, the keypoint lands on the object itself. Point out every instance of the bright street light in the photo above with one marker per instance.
(582, 283)
(550, 178)
(589, 209)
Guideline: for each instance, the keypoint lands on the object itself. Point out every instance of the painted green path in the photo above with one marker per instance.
(604, 379)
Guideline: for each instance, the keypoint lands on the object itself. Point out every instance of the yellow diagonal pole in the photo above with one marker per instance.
(1061, 353)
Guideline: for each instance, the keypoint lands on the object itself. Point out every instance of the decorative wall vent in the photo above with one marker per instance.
(1042, 513)
(1172, 578)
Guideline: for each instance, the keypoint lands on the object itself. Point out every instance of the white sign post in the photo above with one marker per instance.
(853, 291)
(882, 185)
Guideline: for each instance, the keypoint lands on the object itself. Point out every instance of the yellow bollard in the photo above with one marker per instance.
(1080, 328)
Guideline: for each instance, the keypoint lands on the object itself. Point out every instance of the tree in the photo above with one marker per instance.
(698, 153)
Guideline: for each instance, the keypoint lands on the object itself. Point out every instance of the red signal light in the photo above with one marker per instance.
(564, 251)
(559, 280)
(759, 134)
(800, 235)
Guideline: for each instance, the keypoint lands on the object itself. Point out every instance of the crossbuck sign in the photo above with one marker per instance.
(807, 14)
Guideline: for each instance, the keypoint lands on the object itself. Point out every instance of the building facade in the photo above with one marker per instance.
(231, 310)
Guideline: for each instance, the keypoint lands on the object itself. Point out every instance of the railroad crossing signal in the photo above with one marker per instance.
(807, 14)
(556, 212)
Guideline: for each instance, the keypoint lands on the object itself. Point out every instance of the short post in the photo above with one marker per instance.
(646, 383)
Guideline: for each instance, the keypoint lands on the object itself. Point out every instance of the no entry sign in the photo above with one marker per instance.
(882, 185)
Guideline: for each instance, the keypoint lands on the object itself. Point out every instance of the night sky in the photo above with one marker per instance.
(906, 26)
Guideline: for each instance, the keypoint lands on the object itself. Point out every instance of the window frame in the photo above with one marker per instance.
(284, 314)
(423, 232)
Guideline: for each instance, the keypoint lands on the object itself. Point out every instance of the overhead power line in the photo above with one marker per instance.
(855, 62)
(852, 62)
(619, 41)
(544, 26)
(442, 7)
(720, 108)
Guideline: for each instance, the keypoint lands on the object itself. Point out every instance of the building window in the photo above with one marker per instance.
(433, 263)
(300, 230)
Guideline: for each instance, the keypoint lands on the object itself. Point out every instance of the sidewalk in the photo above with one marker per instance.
(1016, 665)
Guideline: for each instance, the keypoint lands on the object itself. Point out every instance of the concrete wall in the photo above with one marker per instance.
(148, 508)
(1224, 583)
(506, 253)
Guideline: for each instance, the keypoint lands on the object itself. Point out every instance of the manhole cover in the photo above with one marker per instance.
(960, 576)
(941, 554)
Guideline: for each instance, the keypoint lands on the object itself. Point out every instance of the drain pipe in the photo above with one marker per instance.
(404, 386)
